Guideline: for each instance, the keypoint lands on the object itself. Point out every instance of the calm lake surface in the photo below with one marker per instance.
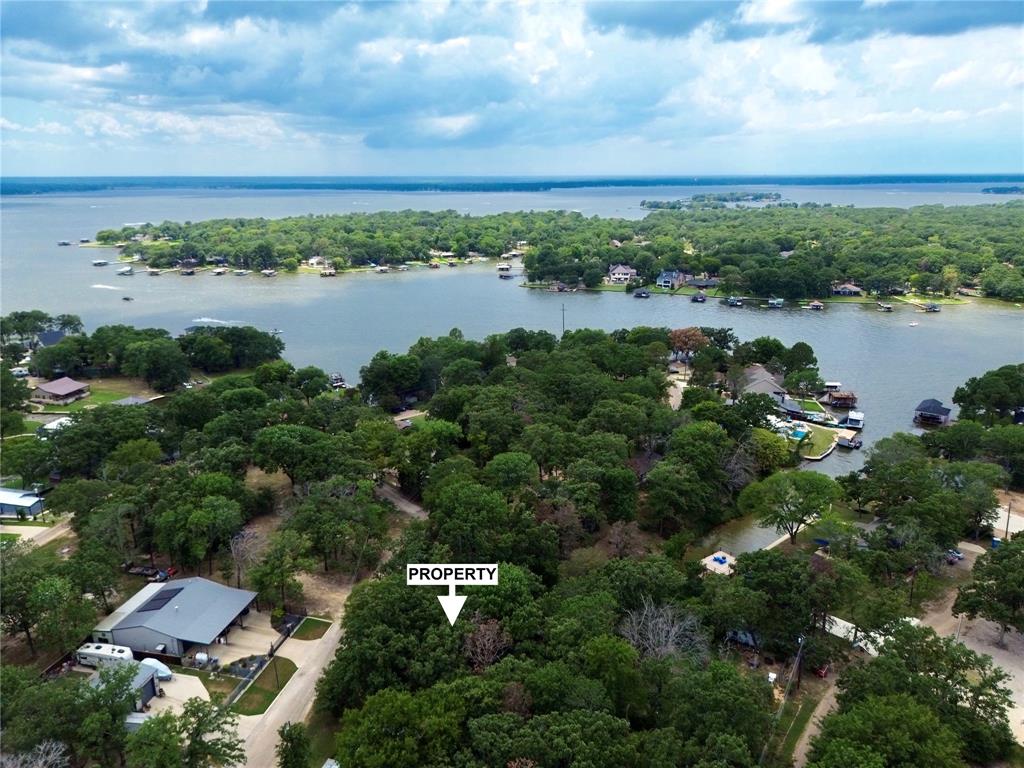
(338, 324)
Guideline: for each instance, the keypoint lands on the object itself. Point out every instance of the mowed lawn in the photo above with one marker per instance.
(311, 629)
(103, 392)
(810, 405)
(818, 441)
(265, 688)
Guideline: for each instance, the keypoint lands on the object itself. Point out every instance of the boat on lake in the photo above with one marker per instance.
(699, 298)
(219, 271)
(337, 381)
(734, 301)
(64, 242)
(848, 439)
(268, 272)
(452, 264)
(126, 271)
(382, 269)
(853, 420)
(504, 267)
(434, 265)
(152, 271)
(84, 240)
(241, 272)
(932, 307)
(275, 331)
(127, 298)
(884, 307)
(328, 272)
(641, 294)
(775, 303)
(100, 262)
(505, 276)
(817, 306)
(187, 270)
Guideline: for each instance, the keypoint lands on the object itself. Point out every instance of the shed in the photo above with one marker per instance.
(20, 504)
(60, 391)
(173, 617)
(931, 412)
(143, 684)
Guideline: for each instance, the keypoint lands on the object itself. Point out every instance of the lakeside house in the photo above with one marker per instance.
(671, 280)
(60, 391)
(47, 339)
(703, 282)
(175, 618)
(847, 289)
(931, 413)
(758, 380)
(620, 274)
(18, 504)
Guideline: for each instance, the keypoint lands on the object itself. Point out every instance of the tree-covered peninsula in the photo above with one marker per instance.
(791, 252)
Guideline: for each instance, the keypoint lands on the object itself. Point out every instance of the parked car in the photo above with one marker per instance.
(157, 577)
(955, 553)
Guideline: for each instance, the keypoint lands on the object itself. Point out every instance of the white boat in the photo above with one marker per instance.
(268, 272)
(853, 420)
(504, 267)
(125, 271)
(100, 262)
(241, 272)
(219, 271)
(914, 325)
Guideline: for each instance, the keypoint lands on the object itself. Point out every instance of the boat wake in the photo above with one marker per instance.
(106, 287)
(216, 321)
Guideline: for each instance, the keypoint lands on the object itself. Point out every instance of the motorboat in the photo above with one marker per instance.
(268, 272)
(699, 298)
(126, 271)
(734, 301)
(641, 294)
(100, 262)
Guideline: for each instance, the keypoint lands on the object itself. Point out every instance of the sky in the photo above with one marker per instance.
(511, 88)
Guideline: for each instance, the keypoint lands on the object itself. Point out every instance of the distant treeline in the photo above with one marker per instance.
(51, 185)
(779, 249)
(712, 197)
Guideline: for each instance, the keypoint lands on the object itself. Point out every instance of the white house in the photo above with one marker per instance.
(620, 274)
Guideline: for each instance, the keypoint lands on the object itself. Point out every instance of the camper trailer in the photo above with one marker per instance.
(99, 654)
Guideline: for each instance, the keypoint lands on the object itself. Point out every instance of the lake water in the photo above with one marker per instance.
(340, 323)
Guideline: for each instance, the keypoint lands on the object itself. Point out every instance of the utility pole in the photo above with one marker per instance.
(563, 319)
(1009, 502)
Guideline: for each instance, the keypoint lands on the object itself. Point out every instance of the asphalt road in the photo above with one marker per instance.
(294, 703)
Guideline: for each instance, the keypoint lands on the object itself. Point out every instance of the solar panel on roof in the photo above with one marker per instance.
(162, 598)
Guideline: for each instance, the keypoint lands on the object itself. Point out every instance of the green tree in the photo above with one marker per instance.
(160, 362)
(788, 501)
(209, 735)
(996, 591)
(156, 744)
(64, 618)
(896, 728)
(295, 750)
(993, 397)
(286, 556)
(29, 458)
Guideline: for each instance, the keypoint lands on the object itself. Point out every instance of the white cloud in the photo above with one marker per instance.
(954, 76)
(42, 126)
(449, 126)
(770, 12)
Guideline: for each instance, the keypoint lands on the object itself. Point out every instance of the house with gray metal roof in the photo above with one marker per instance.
(175, 617)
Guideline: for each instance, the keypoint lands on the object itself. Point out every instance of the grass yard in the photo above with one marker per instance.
(311, 629)
(793, 722)
(322, 728)
(810, 405)
(218, 685)
(7, 538)
(43, 522)
(929, 299)
(104, 391)
(818, 441)
(265, 688)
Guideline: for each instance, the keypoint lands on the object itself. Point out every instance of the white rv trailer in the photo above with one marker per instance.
(99, 654)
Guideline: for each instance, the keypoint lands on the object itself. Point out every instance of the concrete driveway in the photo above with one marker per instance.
(177, 691)
(252, 640)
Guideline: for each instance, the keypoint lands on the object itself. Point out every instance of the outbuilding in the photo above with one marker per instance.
(60, 391)
(175, 617)
(144, 684)
(20, 504)
(931, 413)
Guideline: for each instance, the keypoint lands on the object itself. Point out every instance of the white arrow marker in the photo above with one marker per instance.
(452, 604)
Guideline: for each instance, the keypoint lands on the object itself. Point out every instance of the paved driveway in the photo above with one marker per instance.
(252, 640)
(177, 691)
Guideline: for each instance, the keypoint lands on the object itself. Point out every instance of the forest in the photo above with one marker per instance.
(605, 644)
(779, 250)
